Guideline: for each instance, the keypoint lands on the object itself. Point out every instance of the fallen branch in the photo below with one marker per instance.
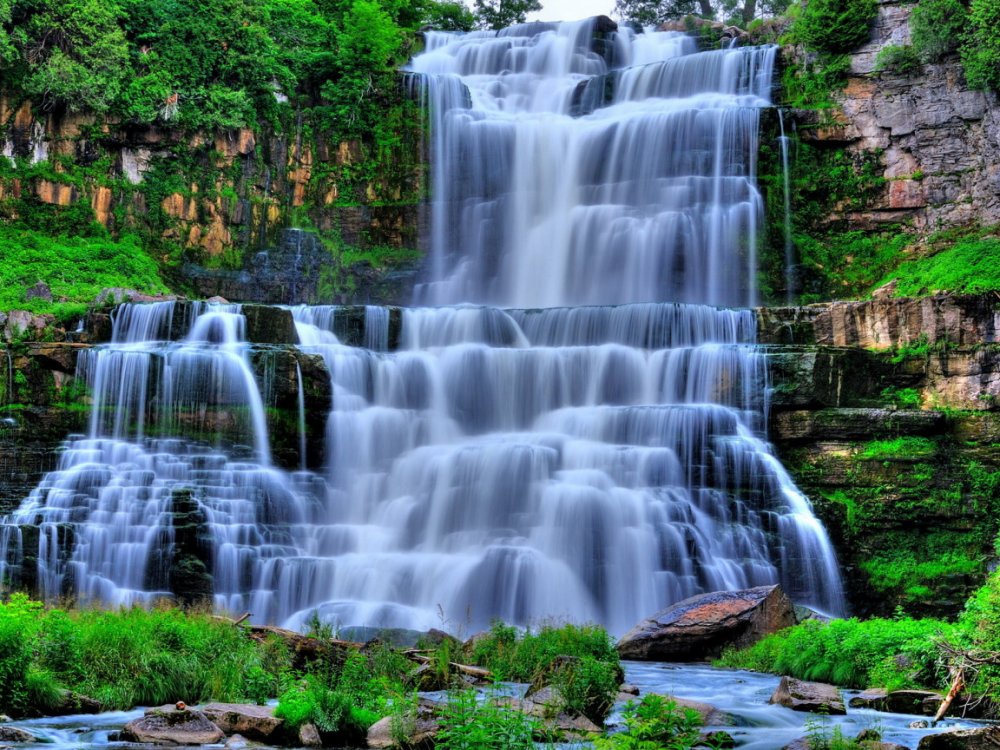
(957, 683)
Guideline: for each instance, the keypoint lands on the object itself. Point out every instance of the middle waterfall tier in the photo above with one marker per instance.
(592, 464)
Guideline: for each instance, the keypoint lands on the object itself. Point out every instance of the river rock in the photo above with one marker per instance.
(800, 695)
(982, 738)
(309, 736)
(873, 698)
(13, 734)
(39, 291)
(166, 725)
(253, 722)
(421, 729)
(912, 702)
(702, 626)
(237, 742)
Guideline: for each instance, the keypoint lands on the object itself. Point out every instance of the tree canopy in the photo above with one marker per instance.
(499, 14)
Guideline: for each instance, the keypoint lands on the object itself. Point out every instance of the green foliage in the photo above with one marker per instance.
(898, 448)
(894, 654)
(981, 47)
(520, 658)
(654, 723)
(980, 631)
(970, 266)
(834, 26)
(902, 398)
(499, 14)
(916, 573)
(470, 724)
(847, 265)
(937, 27)
(448, 16)
(903, 60)
(123, 659)
(76, 269)
(587, 687)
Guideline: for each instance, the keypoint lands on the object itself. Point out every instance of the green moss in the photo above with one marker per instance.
(905, 448)
(918, 574)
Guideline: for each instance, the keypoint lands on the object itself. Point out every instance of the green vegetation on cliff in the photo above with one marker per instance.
(76, 269)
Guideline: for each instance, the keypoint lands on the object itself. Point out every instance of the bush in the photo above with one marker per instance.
(981, 47)
(902, 60)
(587, 686)
(894, 654)
(937, 27)
(522, 658)
(834, 26)
(468, 724)
(655, 722)
(969, 266)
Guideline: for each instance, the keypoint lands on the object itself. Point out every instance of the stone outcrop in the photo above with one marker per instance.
(702, 626)
(253, 722)
(815, 697)
(14, 734)
(936, 141)
(167, 725)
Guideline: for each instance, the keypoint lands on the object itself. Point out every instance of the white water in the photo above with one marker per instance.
(587, 463)
(652, 197)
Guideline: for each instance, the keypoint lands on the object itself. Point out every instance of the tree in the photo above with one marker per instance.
(655, 12)
(499, 14)
(448, 16)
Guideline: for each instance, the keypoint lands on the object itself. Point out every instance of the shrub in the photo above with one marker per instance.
(902, 60)
(969, 266)
(587, 686)
(981, 48)
(653, 723)
(834, 25)
(893, 654)
(468, 724)
(936, 28)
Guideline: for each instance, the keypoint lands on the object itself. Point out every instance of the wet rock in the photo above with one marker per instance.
(628, 689)
(873, 698)
(270, 325)
(309, 736)
(912, 702)
(702, 626)
(237, 742)
(253, 722)
(13, 734)
(800, 695)
(75, 703)
(983, 738)
(168, 726)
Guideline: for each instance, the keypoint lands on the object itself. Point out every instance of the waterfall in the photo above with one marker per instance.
(587, 441)
(649, 196)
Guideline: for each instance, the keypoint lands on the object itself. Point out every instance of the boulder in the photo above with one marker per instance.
(309, 736)
(701, 627)
(873, 698)
(421, 729)
(800, 695)
(922, 702)
(982, 738)
(13, 734)
(253, 722)
(237, 742)
(270, 325)
(166, 725)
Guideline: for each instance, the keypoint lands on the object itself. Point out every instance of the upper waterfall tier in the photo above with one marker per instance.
(572, 167)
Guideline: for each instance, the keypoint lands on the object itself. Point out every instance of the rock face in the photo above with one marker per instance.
(935, 140)
(168, 726)
(986, 738)
(253, 722)
(702, 626)
(13, 734)
(816, 697)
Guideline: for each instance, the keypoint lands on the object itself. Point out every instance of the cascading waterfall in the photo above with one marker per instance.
(651, 197)
(591, 463)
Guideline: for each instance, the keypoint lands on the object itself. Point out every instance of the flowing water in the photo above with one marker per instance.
(540, 461)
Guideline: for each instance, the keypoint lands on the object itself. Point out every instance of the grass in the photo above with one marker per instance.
(76, 269)
(894, 654)
(970, 266)
(917, 574)
(898, 448)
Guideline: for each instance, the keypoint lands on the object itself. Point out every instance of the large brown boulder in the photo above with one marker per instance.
(983, 738)
(13, 734)
(800, 695)
(701, 627)
(166, 725)
(253, 722)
